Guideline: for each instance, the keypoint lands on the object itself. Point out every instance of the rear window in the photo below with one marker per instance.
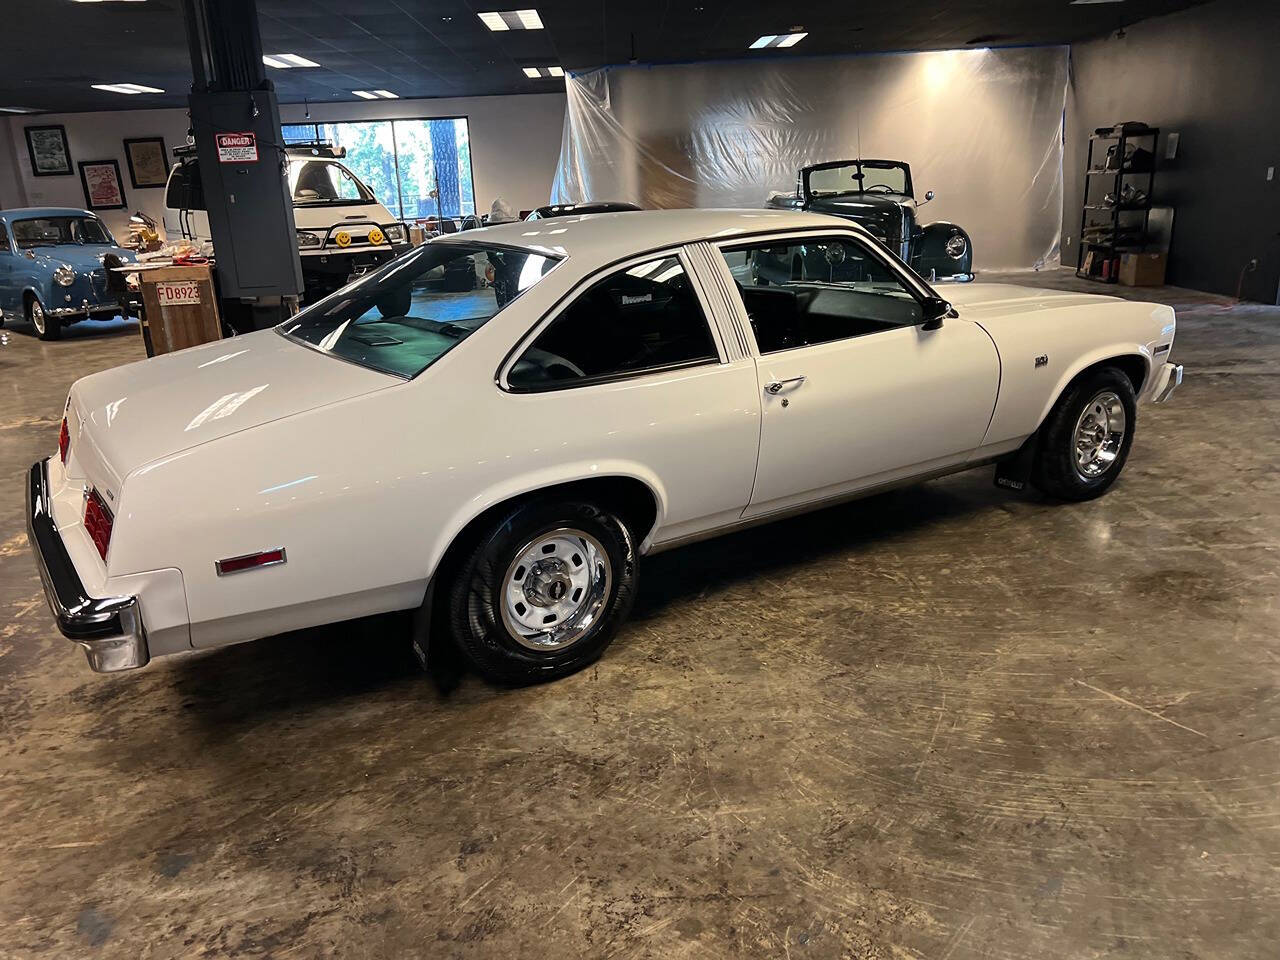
(404, 317)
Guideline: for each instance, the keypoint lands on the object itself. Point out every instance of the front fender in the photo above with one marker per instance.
(930, 258)
(1082, 363)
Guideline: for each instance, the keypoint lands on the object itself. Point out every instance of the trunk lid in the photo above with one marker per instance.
(132, 415)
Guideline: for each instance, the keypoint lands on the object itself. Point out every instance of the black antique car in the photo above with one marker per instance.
(878, 195)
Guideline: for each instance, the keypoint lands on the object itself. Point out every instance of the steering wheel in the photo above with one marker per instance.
(883, 186)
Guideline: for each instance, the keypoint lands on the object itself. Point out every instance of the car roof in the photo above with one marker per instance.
(605, 237)
(33, 213)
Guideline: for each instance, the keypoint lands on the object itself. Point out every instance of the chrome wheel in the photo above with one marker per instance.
(1099, 434)
(555, 589)
(37, 317)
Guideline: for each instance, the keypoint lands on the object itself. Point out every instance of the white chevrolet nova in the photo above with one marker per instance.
(498, 457)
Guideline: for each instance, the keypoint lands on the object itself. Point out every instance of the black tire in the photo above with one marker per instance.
(1057, 472)
(45, 326)
(476, 592)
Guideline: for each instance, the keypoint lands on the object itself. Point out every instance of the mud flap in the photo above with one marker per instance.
(420, 632)
(1013, 471)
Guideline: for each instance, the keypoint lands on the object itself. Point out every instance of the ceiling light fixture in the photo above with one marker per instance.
(286, 61)
(16, 110)
(778, 40)
(498, 21)
(542, 73)
(387, 95)
(365, 95)
(131, 89)
(376, 95)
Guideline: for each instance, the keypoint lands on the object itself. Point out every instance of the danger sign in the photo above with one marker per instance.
(237, 148)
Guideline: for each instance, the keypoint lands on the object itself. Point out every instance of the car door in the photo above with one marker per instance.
(856, 390)
(634, 371)
(9, 301)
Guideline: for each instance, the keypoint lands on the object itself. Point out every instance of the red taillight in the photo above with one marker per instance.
(64, 441)
(98, 521)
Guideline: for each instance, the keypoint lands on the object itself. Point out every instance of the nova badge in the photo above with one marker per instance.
(1042, 360)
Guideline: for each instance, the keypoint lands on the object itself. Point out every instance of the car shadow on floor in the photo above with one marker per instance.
(357, 658)
(81, 329)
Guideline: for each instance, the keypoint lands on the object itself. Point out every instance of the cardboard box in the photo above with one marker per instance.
(1143, 269)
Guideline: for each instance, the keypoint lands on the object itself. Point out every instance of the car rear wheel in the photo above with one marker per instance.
(543, 591)
(1086, 438)
(46, 327)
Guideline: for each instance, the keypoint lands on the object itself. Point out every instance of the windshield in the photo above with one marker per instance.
(865, 176)
(325, 181)
(53, 231)
(404, 317)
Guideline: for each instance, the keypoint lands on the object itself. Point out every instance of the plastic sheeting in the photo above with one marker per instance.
(981, 128)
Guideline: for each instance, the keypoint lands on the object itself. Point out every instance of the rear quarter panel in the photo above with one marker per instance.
(1067, 334)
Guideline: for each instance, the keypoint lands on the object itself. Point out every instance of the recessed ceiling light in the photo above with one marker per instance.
(778, 40)
(541, 73)
(127, 88)
(365, 95)
(387, 95)
(376, 95)
(556, 71)
(285, 61)
(511, 20)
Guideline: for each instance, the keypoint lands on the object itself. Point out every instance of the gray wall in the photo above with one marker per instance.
(1212, 74)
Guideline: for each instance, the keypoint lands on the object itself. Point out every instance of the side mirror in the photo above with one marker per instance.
(935, 311)
(927, 197)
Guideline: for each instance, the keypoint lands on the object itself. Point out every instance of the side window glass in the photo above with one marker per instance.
(642, 318)
(799, 293)
(4, 238)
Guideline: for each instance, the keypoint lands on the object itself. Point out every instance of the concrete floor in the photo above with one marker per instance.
(947, 722)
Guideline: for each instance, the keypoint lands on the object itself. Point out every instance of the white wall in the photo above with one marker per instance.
(515, 144)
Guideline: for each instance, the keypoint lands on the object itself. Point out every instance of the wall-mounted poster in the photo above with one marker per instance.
(50, 155)
(148, 162)
(103, 189)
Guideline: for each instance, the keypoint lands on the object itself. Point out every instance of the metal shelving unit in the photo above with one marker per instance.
(1097, 260)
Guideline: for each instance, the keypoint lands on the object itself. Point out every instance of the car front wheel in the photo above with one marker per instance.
(543, 592)
(1085, 440)
(46, 327)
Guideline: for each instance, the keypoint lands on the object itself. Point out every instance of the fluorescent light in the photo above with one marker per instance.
(540, 73)
(778, 40)
(387, 95)
(533, 73)
(284, 61)
(365, 95)
(498, 20)
(127, 88)
(16, 110)
(556, 71)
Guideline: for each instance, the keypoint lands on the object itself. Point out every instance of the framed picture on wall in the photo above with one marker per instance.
(148, 162)
(103, 189)
(50, 155)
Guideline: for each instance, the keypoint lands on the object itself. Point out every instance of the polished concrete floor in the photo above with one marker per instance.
(947, 722)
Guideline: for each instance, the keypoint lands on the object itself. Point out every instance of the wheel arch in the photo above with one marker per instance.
(1133, 361)
(635, 494)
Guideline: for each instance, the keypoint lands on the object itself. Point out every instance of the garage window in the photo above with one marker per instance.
(815, 290)
(643, 318)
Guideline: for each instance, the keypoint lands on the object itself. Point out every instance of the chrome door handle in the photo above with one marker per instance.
(777, 386)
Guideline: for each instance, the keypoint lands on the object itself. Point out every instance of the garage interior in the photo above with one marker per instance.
(945, 721)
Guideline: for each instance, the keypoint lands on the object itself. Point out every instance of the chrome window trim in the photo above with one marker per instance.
(571, 297)
(914, 285)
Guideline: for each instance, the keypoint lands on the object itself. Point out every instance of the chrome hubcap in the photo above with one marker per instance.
(37, 316)
(1099, 435)
(555, 589)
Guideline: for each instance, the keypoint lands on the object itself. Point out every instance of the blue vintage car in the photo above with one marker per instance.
(55, 265)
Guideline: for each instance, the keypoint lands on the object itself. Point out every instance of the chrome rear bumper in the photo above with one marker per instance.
(109, 629)
(1168, 380)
